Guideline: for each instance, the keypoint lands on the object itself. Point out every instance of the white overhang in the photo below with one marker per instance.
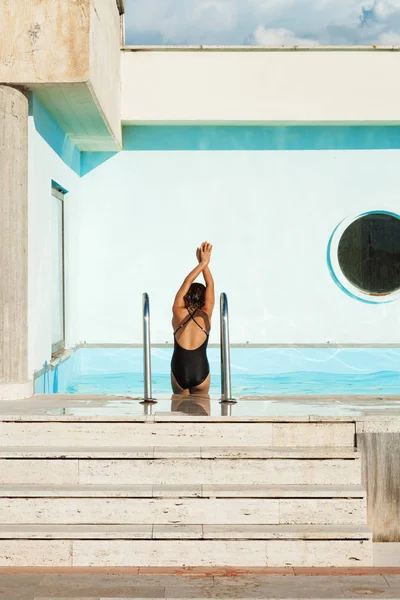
(260, 85)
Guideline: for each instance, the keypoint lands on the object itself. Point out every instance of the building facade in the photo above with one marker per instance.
(116, 162)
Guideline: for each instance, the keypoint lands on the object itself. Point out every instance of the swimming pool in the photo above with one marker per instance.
(255, 371)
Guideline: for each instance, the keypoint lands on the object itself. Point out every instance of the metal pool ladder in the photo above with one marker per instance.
(226, 387)
(147, 397)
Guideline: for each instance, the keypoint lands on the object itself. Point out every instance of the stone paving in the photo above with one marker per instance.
(195, 583)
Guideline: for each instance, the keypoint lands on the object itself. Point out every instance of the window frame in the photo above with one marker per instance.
(335, 269)
(56, 192)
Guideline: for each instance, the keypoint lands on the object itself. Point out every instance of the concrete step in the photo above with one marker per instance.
(202, 511)
(182, 491)
(180, 452)
(154, 531)
(318, 466)
(190, 471)
(257, 545)
(140, 433)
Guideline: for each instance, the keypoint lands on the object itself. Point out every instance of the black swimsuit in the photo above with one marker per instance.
(190, 367)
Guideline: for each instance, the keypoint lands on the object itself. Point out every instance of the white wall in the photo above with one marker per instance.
(269, 215)
(260, 86)
(44, 165)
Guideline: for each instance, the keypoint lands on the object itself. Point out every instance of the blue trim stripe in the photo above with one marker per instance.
(261, 138)
(380, 212)
(58, 186)
(213, 138)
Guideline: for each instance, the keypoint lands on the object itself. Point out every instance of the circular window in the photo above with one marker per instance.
(364, 256)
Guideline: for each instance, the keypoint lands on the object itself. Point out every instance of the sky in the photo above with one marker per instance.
(263, 22)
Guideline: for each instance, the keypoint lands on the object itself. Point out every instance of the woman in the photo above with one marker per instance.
(191, 322)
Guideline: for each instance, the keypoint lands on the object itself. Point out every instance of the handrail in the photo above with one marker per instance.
(226, 388)
(147, 398)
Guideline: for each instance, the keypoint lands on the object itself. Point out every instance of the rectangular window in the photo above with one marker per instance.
(57, 271)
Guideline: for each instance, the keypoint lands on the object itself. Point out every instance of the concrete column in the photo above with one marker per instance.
(13, 244)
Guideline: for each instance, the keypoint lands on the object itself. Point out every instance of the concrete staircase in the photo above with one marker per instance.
(170, 490)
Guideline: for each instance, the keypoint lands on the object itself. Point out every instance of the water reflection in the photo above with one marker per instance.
(191, 405)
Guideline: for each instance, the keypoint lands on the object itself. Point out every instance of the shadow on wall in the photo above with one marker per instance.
(52, 133)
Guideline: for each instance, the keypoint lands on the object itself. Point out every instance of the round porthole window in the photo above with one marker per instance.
(364, 256)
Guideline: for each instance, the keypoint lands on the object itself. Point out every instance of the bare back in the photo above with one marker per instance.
(190, 336)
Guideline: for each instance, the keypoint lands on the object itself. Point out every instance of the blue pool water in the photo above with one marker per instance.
(255, 371)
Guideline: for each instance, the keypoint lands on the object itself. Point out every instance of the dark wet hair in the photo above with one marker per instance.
(196, 296)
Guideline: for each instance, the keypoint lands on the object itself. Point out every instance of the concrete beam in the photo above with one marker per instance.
(259, 87)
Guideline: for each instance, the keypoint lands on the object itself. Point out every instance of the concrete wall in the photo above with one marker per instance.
(260, 86)
(44, 166)
(105, 64)
(44, 42)
(379, 442)
(270, 214)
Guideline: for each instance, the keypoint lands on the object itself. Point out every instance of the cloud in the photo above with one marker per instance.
(181, 21)
(384, 9)
(263, 22)
(279, 37)
(388, 38)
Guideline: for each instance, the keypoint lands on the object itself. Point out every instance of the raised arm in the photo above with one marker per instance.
(210, 295)
(204, 252)
(179, 301)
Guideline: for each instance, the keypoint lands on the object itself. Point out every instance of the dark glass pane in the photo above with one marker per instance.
(369, 253)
